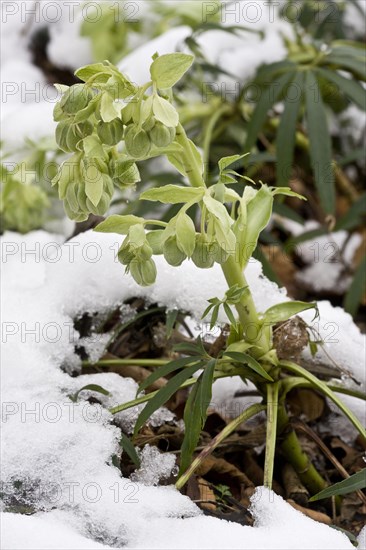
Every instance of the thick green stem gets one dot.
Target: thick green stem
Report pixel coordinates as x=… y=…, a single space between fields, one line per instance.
x=253 y=330
x=252 y=327
x=233 y=425
x=299 y=460
x=272 y=413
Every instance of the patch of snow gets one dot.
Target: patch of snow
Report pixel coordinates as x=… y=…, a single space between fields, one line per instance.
x=328 y=257
x=155 y=466
x=42 y=532
x=66 y=448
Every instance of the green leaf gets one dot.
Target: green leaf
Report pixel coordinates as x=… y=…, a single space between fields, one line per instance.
x=176 y=161
x=86 y=72
x=320 y=143
x=249 y=361
x=229 y=313
x=285 y=142
x=93 y=184
x=218 y=210
x=268 y=97
x=288 y=192
x=349 y=63
x=173 y=194
x=90 y=387
x=259 y=211
x=225 y=238
x=164 y=394
x=195 y=413
x=165 y=112
x=167 y=69
x=322 y=386
x=108 y=109
x=186 y=234
x=93 y=147
x=118 y=224
x=129 y=448
x=356 y=482
x=164 y=370
x=224 y=162
x=171 y=318
x=283 y=312
x=351 y=87
x=356 y=290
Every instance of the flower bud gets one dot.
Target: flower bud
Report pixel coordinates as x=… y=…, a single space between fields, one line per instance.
x=101 y=207
x=203 y=252
x=127 y=112
x=124 y=172
x=144 y=252
x=75 y=99
x=155 y=240
x=126 y=253
x=172 y=254
x=161 y=135
x=110 y=133
x=143 y=272
x=149 y=124
x=137 y=142
x=75 y=216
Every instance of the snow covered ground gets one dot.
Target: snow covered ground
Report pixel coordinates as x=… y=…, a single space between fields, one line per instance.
x=62 y=451
x=56 y=454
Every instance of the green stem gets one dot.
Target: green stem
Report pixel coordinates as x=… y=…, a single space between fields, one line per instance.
x=208 y=135
x=299 y=460
x=252 y=327
x=292 y=382
x=272 y=412
x=233 y=425
x=248 y=316
x=320 y=385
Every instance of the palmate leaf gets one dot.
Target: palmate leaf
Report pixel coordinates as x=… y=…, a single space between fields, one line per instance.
x=356 y=482
x=268 y=97
x=165 y=393
x=249 y=361
x=195 y=413
x=350 y=87
x=320 y=143
x=285 y=142
x=164 y=370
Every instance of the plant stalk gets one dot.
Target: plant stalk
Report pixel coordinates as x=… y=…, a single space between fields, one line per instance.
x=299 y=460
x=272 y=413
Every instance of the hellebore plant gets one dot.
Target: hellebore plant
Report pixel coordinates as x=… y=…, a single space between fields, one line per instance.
x=109 y=124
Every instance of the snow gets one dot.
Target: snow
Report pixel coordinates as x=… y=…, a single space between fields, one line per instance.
x=66 y=448
x=327 y=257
x=272 y=514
